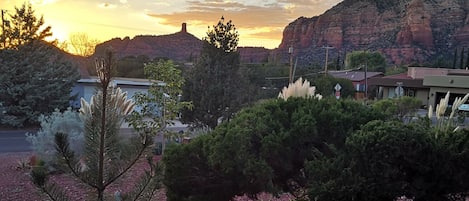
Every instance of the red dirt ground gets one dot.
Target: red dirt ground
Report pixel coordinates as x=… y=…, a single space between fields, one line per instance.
x=16 y=185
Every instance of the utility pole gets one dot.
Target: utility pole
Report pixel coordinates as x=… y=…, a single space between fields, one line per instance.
x=3 y=28
x=365 y=54
x=327 y=57
x=366 y=78
x=290 y=52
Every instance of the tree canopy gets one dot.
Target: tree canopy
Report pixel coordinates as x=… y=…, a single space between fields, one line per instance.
x=82 y=44
x=263 y=148
x=223 y=36
x=374 y=61
x=389 y=159
x=35 y=79
x=214 y=84
x=325 y=86
x=322 y=150
x=33 y=82
x=23 y=28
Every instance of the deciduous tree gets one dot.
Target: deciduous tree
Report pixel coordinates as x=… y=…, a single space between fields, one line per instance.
x=82 y=44
x=161 y=105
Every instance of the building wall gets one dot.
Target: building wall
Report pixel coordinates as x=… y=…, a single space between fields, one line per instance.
x=421 y=72
x=442 y=84
x=420 y=94
x=436 y=81
x=85 y=88
x=450 y=81
x=82 y=90
x=423 y=95
x=443 y=90
x=132 y=90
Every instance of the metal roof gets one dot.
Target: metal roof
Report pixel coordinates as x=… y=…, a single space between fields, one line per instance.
x=354 y=76
x=124 y=81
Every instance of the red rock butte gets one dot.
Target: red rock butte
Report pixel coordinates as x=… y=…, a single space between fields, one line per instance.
x=404 y=30
x=181 y=46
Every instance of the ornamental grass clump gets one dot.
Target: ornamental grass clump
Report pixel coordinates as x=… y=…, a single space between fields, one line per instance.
x=299 y=89
x=445 y=123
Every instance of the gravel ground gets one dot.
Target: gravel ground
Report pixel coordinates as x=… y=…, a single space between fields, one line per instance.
x=16 y=185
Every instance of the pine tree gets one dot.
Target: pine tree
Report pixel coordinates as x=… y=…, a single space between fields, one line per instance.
x=33 y=82
x=107 y=154
x=24 y=28
x=213 y=86
x=35 y=79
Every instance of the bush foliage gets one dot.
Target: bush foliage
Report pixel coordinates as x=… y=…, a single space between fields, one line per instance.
x=262 y=149
x=58 y=122
x=322 y=150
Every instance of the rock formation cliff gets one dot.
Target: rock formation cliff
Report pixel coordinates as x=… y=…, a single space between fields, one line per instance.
x=406 y=31
x=181 y=46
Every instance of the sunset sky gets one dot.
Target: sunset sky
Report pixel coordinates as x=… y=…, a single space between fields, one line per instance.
x=259 y=22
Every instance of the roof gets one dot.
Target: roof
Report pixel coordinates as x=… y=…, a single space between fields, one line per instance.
x=399 y=76
x=415 y=77
x=122 y=81
x=392 y=80
x=354 y=76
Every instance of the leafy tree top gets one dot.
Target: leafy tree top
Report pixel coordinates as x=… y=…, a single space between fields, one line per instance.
x=374 y=61
x=223 y=36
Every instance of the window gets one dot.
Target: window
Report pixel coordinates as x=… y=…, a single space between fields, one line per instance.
x=411 y=93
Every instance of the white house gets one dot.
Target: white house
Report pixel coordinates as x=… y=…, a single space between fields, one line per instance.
x=86 y=87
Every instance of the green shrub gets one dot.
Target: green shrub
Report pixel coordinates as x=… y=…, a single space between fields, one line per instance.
x=64 y=122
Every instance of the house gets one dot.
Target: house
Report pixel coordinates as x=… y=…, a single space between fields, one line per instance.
x=428 y=85
x=358 y=80
x=86 y=87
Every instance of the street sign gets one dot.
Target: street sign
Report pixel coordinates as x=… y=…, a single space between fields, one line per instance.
x=399 y=91
x=337 y=95
x=337 y=87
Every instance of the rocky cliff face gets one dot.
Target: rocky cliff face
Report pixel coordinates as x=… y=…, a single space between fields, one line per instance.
x=405 y=31
x=181 y=46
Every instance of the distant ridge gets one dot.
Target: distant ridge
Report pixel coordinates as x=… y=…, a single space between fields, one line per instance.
x=181 y=46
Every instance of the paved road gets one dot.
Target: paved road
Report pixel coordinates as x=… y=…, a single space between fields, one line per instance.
x=14 y=141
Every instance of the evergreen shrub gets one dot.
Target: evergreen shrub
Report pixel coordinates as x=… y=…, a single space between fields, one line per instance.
x=43 y=143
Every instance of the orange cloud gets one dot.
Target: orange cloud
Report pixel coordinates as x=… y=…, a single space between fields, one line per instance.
x=259 y=22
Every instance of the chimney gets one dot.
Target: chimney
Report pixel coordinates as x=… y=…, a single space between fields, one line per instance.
x=184 y=28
